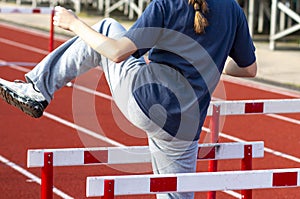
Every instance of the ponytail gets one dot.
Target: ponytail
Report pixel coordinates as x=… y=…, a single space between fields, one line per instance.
x=200 y=22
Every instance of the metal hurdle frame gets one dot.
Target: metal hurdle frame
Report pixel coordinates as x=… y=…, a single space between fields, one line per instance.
x=48 y=158
x=42 y=10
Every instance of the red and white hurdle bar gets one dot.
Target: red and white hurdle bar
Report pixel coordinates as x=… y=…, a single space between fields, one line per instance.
x=110 y=186
x=42 y=10
x=47 y=158
x=242 y=107
x=136 y=154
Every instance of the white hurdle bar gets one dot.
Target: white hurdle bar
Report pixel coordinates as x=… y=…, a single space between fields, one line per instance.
x=242 y=107
x=108 y=186
x=41 y=10
x=48 y=158
x=137 y=154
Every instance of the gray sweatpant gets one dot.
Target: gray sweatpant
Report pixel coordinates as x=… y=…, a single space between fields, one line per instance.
x=74 y=57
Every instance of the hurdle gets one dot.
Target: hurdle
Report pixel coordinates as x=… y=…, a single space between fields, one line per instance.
x=48 y=158
x=243 y=107
x=136 y=154
x=41 y=10
x=110 y=186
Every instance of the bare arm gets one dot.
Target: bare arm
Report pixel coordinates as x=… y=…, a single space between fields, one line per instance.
x=231 y=68
x=115 y=50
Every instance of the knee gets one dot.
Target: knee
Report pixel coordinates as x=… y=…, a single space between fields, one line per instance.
x=99 y=26
x=106 y=24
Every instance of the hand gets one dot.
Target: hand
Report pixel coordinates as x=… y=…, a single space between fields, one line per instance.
x=64 y=18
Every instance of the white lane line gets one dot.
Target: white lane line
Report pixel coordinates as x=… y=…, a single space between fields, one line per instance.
x=23 y=46
x=233 y=194
x=91 y=91
x=284 y=118
x=28 y=64
x=83 y=130
x=32 y=177
x=19 y=68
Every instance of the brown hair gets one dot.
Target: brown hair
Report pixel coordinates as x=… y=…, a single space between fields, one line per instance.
x=200 y=22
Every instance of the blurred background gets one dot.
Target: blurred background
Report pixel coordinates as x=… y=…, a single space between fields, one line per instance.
x=274 y=20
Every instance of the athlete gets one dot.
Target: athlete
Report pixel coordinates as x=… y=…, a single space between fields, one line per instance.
x=187 y=42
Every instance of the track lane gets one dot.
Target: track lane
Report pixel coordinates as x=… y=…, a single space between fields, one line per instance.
x=58 y=107
x=64 y=92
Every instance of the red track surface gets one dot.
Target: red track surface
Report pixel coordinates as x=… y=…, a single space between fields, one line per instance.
x=18 y=132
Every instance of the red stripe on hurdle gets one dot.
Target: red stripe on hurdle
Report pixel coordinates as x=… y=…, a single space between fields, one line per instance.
x=163 y=184
x=254 y=107
x=36 y=10
x=93 y=157
x=109 y=189
x=285 y=179
x=205 y=153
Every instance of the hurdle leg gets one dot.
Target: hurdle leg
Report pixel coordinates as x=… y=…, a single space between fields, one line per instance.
x=47 y=177
x=246 y=164
x=51 y=36
x=214 y=131
x=109 y=189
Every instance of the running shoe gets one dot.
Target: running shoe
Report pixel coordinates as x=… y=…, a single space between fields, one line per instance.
x=23 y=96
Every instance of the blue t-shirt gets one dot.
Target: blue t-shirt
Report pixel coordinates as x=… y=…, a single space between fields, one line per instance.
x=175 y=89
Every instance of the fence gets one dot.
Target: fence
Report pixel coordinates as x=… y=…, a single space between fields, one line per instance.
x=280 y=26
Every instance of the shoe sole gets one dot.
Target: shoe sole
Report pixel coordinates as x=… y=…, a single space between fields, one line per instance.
x=28 y=106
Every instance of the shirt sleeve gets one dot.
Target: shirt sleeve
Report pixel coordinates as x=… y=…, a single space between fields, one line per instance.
x=146 y=31
x=243 y=50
